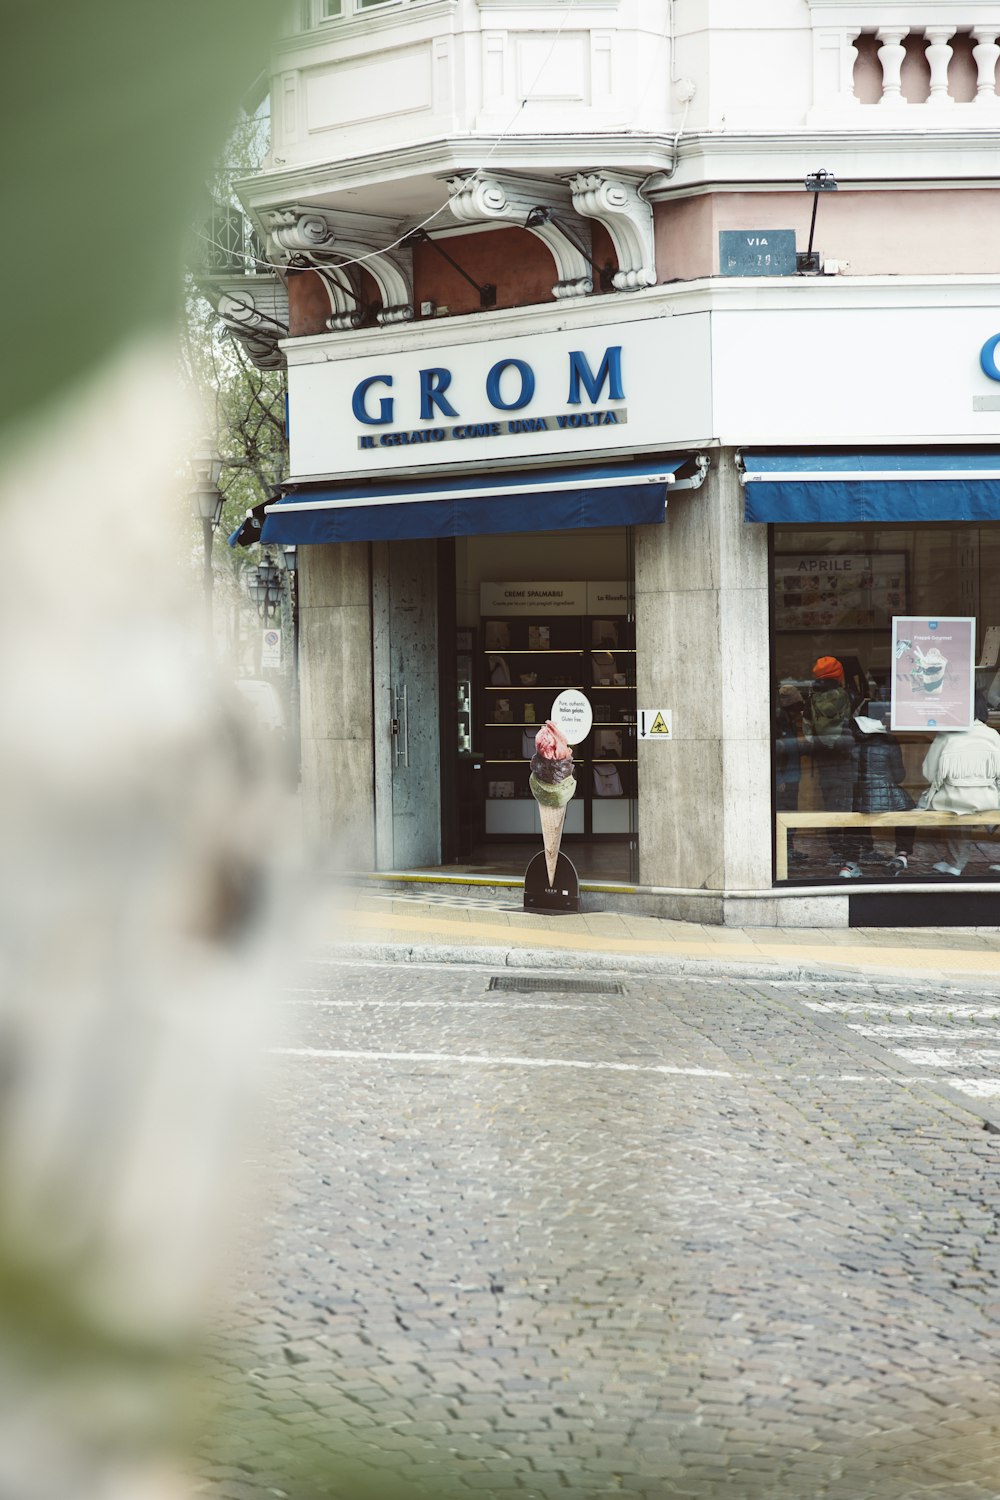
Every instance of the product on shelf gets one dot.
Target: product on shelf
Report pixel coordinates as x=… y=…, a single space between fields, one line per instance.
x=552 y=785
x=522 y=662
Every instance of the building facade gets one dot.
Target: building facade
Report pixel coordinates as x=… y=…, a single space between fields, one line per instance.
x=636 y=349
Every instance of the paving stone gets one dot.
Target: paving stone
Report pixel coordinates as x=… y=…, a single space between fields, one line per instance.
x=777 y=1281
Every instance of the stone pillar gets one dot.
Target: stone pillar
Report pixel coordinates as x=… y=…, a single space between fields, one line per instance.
x=986 y=53
x=701 y=591
x=335 y=652
x=939 y=55
x=892 y=55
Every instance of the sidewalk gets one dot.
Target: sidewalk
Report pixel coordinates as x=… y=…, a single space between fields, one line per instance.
x=431 y=927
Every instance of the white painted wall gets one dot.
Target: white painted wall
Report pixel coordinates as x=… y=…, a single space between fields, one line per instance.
x=833 y=360
x=405 y=72
x=409 y=72
x=849 y=374
x=750 y=62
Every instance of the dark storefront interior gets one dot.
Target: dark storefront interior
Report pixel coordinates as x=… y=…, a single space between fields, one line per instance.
x=529 y=616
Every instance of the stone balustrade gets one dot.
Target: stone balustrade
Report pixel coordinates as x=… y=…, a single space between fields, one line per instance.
x=883 y=74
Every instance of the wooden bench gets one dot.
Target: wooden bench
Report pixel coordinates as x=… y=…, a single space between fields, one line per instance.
x=915 y=819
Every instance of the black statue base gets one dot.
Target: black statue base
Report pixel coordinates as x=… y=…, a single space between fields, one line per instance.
x=564 y=893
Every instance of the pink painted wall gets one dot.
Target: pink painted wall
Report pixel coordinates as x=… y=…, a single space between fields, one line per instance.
x=684 y=239
x=926 y=232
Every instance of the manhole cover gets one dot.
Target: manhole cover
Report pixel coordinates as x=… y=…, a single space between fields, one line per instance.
x=558 y=986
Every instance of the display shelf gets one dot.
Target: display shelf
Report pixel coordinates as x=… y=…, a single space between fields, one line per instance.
x=520 y=816
x=584 y=647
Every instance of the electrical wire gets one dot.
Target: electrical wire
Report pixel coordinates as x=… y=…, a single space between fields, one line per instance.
x=359 y=260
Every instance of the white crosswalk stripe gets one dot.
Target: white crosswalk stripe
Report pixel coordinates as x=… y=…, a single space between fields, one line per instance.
x=874 y=1008
x=905 y=1029
x=949 y=1057
x=954 y=1033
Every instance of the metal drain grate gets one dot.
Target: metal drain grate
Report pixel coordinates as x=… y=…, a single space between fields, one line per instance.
x=557 y=986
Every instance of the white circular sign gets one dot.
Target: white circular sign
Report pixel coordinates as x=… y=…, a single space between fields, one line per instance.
x=572 y=715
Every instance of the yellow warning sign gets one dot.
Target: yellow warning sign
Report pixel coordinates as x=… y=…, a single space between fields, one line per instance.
x=655 y=724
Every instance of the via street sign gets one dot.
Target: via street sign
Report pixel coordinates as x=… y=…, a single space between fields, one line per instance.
x=757 y=252
x=655 y=724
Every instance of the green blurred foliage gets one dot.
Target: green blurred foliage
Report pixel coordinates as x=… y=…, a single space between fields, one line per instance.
x=247 y=404
x=244 y=406
x=112 y=114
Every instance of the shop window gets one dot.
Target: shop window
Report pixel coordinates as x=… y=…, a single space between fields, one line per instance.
x=849 y=693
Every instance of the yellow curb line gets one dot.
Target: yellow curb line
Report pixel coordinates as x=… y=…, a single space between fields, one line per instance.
x=866 y=957
x=491 y=882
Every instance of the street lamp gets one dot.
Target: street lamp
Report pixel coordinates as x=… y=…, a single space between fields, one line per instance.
x=206 y=503
x=264 y=588
x=290 y=561
x=807 y=261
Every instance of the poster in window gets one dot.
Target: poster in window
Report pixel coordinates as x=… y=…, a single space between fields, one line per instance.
x=838 y=590
x=933 y=672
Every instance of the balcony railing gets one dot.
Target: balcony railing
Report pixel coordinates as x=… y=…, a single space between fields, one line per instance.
x=883 y=74
x=230 y=244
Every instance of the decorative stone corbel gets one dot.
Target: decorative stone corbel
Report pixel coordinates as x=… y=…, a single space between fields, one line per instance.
x=322 y=240
x=255 y=311
x=545 y=211
x=392 y=273
x=613 y=200
x=296 y=235
x=346 y=310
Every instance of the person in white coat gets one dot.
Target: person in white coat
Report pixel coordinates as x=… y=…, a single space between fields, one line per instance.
x=963 y=771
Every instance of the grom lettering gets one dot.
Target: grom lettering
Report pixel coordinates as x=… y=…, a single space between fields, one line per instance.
x=509 y=386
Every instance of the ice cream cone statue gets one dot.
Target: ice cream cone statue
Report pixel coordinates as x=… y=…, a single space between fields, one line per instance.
x=552 y=785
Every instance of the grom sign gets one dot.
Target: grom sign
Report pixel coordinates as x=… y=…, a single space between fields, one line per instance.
x=399 y=401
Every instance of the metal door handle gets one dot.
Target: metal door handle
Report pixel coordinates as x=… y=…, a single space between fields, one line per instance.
x=400 y=727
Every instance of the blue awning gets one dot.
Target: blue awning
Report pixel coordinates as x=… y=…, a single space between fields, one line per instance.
x=557 y=499
x=833 y=488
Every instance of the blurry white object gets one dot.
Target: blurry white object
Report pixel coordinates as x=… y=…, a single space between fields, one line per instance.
x=135 y=917
x=264 y=701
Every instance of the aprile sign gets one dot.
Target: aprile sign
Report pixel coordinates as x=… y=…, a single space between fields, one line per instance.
x=360 y=408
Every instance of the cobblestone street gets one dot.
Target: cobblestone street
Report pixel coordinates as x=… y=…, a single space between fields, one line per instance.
x=634 y=1234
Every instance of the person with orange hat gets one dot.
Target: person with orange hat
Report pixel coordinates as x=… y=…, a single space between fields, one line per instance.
x=828 y=668
x=831 y=743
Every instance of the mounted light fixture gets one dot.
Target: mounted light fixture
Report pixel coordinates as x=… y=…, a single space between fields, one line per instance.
x=807 y=261
x=487 y=291
x=264 y=588
x=605 y=274
x=206 y=504
x=206 y=464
